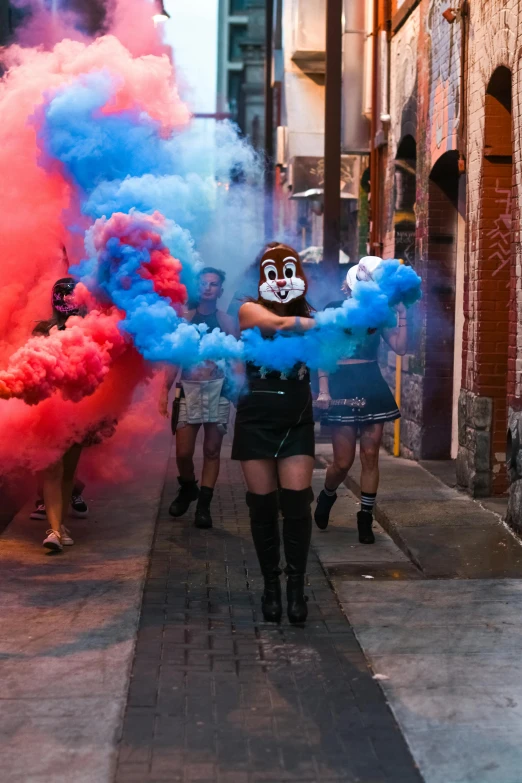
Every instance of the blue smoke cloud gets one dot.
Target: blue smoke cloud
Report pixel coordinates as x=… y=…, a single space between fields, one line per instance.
x=119 y=162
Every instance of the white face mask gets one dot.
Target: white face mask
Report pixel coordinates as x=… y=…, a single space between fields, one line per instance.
x=282 y=282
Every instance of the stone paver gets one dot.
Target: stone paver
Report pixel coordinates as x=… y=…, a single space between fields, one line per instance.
x=217 y=695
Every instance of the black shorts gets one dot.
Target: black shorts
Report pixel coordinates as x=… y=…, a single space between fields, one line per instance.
x=274 y=419
x=364 y=381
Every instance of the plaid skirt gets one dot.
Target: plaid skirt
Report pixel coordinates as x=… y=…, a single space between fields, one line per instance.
x=363 y=382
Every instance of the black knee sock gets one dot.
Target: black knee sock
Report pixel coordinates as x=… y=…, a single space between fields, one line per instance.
x=329 y=492
x=368 y=501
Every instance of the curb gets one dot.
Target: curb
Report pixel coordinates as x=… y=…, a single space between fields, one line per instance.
x=382 y=518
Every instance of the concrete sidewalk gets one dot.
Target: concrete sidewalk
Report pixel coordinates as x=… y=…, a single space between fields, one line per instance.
x=67 y=633
x=446 y=651
x=443 y=531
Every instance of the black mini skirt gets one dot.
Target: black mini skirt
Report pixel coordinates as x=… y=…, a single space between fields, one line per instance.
x=274 y=420
x=362 y=381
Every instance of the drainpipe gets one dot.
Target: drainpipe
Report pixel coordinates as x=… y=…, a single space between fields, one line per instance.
x=269 y=123
x=464 y=14
x=374 y=163
x=398 y=394
x=332 y=137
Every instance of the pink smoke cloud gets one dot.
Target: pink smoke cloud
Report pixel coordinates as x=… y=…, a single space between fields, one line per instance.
x=74 y=361
x=37 y=207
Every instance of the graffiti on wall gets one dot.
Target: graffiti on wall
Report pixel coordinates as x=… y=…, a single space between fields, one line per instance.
x=444 y=80
x=500 y=234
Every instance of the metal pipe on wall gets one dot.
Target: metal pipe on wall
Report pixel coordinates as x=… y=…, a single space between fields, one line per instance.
x=269 y=123
x=374 y=163
x=332 y=136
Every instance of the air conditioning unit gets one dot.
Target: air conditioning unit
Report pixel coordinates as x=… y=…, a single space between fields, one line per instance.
x=309 y=35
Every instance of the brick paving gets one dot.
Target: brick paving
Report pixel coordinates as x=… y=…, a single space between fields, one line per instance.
x=217 y=695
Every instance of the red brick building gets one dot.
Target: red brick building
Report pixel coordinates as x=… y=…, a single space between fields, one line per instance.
x=450 y=164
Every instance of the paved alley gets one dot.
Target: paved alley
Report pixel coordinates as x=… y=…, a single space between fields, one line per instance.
x=398 y=676
x=217 y=695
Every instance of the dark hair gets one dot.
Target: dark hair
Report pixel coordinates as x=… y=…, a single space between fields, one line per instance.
x=300 y=307
x=211 y=270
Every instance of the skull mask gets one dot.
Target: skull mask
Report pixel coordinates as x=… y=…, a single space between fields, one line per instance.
x=62 y=298
x=281 y=276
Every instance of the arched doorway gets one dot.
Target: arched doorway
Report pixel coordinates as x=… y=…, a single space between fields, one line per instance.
x=405 y=198
x=439 y=307
x=496 y=271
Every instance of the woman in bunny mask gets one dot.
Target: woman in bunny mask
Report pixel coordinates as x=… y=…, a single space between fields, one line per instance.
x=364 y=404
x=274 y=435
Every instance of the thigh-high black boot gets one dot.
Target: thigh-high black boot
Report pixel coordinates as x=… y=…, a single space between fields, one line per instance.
x=265 y=533
x=297 y=532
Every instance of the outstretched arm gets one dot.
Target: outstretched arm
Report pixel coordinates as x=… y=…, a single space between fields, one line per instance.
x=252 y=315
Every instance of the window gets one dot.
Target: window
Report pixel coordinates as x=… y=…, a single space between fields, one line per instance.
x=237 y=36
x=237 y=6
x=235 y=81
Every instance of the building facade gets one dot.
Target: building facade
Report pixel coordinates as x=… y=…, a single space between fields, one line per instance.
x=450 y=166
x=241 y=65
x=299 y=58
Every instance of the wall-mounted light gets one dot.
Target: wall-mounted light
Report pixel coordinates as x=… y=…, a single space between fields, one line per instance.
x=450 y=15
x=160 y=15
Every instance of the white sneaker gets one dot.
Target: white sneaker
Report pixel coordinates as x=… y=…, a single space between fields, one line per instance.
x=66 y=537
x=53 y=541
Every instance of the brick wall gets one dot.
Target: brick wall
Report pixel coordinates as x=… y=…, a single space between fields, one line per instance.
x=424 y=100
x=492 y=349
x=426 y=69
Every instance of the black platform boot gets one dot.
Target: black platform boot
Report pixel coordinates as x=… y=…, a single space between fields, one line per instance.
x=188 y=492
x=323 y=508
x=297 y=532
x=202 y=517
x=364 y=525
x=265 y=533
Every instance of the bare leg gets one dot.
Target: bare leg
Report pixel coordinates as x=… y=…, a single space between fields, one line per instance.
x=260 y=475
x=295 y=472
x=371 y=437
x=344 y=441
x=52 y=478
x=185 y=446
x=211 y=455
x=70 y=463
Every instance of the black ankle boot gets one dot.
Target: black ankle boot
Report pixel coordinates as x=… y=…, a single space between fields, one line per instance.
x=364 y=525
x=202 y=517
x=265 y=534
x=297 y=531
x=323 y=508
x=188 y=492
